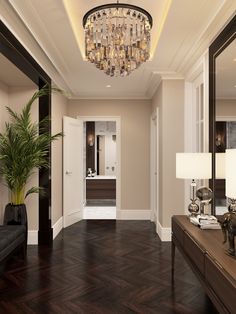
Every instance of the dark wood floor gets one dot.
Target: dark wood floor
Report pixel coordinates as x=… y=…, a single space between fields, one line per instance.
x=102 y=267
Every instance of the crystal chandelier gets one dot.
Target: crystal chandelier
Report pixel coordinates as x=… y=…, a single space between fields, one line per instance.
x=117 y=37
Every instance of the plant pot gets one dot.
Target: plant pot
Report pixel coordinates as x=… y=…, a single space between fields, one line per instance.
x=16 y=215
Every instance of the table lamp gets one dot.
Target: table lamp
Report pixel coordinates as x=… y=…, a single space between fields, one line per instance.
x=230 y=177
x=193 y=166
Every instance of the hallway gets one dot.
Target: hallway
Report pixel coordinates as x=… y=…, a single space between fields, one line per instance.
x=102 y=267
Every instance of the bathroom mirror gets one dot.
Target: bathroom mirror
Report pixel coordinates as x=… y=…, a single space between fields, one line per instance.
x=222 y=108
x=101 y=148
x=105 y=148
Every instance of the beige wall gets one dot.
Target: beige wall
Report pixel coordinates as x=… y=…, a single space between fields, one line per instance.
x=135 y=144
x=169 y=98
x=226 y=108
x=59 y=109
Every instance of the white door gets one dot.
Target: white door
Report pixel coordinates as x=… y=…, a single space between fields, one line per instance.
x=72 y=171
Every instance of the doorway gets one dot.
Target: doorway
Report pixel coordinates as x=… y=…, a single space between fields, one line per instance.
x=101 y=167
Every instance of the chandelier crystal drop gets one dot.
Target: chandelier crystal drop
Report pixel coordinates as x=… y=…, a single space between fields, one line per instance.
x=117 y=37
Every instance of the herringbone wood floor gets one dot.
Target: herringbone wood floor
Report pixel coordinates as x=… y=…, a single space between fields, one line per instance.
x=102 y=267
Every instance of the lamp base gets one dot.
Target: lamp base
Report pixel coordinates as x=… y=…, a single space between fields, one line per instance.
x=232 y=205
x=193 y=208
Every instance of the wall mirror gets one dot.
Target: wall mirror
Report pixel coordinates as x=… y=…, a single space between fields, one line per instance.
x=222 y=108
x=18 y=65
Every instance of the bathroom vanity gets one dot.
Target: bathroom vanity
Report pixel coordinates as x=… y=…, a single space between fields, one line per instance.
x=101 y=187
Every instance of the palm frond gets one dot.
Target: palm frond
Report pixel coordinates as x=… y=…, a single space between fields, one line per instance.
x=35 y=189
x=24 y=146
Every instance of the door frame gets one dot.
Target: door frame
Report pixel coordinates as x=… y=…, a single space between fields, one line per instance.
x=116 y=119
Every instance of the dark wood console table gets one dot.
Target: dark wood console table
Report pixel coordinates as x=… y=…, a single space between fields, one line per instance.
x=205 y=253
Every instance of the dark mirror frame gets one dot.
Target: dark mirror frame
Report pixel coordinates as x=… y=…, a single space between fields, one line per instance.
x=220 y=43
x=13 y=50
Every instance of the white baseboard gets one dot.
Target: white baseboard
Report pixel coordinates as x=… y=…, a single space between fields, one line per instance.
x=57 y=227
x=71 y=219
x=133 y=214
x=105 y=212
x=33 y=234
x=32 y=237
x=164 y=233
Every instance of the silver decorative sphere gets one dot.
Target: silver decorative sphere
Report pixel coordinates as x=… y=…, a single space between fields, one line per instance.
x=193 y=208
x=204 y=194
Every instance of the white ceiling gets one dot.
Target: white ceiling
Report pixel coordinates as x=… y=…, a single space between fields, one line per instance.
x=180 y=34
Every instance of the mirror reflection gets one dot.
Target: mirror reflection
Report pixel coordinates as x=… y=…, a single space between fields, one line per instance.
x=105 y=147
x=15 y=90
x=225 y=136
x=101 y=163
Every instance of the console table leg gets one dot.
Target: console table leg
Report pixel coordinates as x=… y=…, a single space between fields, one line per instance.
x=172 y=261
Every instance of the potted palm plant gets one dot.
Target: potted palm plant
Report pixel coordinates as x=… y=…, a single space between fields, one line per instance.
x=24 y=147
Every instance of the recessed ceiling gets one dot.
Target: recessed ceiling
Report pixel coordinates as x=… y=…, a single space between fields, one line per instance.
x=177 y=32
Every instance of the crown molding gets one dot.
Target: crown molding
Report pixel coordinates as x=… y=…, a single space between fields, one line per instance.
x=171 y=76
x=221 y=18
x=153 y=83
x=94 y=97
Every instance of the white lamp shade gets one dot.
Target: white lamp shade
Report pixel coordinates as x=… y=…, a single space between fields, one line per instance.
x=193 y=165
x=230 y=173
x=220 y=165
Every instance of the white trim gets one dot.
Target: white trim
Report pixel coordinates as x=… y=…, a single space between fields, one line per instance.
x=171 y=76
x=133 y=214
x=106 y=212
x=57 y=227
x=32 y=237
x=164 y=233
x=71 y=219
x=97 y=97
x=153 y=84
x=116 y=119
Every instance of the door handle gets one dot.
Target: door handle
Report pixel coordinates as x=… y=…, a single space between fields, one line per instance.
x=68 y=173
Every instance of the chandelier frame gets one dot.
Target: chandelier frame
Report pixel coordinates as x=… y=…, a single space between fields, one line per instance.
x=117 y=6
